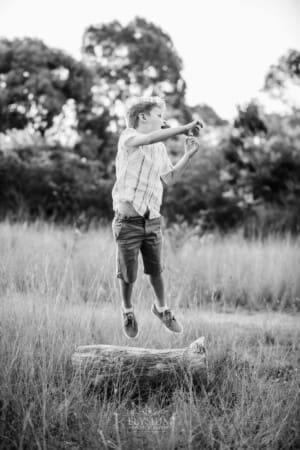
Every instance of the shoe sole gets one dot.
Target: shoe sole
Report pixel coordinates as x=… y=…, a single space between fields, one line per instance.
x=126 y=335
x=131 y=337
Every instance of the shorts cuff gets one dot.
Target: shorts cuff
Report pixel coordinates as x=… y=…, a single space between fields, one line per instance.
x=153 y=273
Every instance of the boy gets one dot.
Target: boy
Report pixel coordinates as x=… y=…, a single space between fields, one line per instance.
x=142 y=165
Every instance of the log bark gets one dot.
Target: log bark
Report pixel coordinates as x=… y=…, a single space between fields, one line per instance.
x=142 y=368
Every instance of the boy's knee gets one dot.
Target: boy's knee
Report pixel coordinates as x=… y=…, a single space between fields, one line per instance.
x=156 y=276
x=128 y=279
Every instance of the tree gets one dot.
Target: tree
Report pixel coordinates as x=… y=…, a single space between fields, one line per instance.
x=288 y=66
x=53 y=183
x=208 y=114
x=262 y=170
x=135 y=60
x=36 y=82
x=249 y=121
x=283 y=79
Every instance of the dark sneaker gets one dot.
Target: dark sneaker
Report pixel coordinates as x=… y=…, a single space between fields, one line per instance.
x=130 y=325
x=168 y=319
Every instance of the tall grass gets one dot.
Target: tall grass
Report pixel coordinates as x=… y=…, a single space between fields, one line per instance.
x=252 y=400
x=58 y=290
x=225 y=272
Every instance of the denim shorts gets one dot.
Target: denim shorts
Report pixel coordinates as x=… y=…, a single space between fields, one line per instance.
x=133 y=235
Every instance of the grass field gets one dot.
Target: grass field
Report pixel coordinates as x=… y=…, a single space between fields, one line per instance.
x=58 y=290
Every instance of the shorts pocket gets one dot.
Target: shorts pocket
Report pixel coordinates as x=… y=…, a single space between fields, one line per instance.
x=117 y=226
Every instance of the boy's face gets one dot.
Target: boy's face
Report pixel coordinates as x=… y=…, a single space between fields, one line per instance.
x=155 y=119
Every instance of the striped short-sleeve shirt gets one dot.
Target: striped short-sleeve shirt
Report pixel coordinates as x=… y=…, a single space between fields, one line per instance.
x=138 y=174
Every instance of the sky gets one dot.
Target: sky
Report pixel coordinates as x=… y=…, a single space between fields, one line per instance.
x=226 y=46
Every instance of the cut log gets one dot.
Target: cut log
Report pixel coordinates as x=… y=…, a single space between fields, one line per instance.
x=142 y=369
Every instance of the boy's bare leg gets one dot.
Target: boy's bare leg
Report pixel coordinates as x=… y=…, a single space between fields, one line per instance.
x=158 y=286
x=126 y=292
x=130 y=325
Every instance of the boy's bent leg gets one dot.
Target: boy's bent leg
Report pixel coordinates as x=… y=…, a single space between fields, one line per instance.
x=127 y=260
x=128 y=240
x=157 y=283
x=128 y=236
x=151 y=249
x=126 y=293
x=130 y=325
x=151 y=252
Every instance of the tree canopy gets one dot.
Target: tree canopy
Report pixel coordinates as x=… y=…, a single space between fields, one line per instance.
x=246 y=171
x=133 y=60
x=288 y=66
x=35 y=83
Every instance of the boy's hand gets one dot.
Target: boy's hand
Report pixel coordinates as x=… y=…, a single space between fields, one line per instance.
x=191 y=146
x=193 y=128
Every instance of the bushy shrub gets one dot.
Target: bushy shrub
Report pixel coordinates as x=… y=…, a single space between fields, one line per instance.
x=53 y=183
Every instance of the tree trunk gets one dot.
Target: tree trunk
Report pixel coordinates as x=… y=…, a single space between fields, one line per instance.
x=141 y=370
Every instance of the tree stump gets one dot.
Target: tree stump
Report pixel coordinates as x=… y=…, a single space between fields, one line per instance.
x=140 y=371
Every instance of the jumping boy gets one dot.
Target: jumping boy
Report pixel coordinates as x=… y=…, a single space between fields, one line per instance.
x=142 y=166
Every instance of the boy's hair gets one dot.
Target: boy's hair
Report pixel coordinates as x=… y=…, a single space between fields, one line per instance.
x=142 y=105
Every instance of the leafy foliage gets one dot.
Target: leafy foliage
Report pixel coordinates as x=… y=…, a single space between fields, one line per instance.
x=134 y=60
x=288 y=67
x=35 y=83
x=247 y=173
x=53 y=183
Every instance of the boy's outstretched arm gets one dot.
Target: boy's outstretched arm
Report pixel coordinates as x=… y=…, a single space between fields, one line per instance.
x=162 y=135
x=191 y=147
